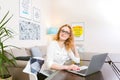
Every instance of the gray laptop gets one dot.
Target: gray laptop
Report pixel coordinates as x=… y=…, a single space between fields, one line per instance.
x=95 y=65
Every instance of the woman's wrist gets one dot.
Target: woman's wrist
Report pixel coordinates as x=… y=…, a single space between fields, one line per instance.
x=65 y=67
x=71 y=67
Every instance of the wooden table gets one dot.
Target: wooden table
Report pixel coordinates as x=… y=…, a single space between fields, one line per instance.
x=106 y=73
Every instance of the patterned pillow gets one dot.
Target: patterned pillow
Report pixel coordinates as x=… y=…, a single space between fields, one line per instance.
x=35 y=65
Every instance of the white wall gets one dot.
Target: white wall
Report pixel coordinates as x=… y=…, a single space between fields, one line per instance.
x=101 y=19
x=13 y=7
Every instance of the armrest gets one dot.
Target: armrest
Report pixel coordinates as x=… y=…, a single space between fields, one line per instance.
x=21 y=63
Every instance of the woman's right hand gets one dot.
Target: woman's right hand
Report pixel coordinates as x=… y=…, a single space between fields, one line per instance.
x=73 y=67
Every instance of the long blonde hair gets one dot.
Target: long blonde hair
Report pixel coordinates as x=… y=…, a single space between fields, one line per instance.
x=69 y=43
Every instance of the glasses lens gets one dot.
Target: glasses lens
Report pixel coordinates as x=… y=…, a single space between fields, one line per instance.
x=66 y=32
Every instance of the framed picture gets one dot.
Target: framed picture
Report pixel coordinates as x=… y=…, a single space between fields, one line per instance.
x=52 y=30
x=78 y=30
x=36 y=14
x=25 y=8
x=29 y=30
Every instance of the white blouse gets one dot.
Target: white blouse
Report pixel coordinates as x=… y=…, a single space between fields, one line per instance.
x=56 y=55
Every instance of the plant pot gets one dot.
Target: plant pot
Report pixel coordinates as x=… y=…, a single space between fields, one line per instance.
x=10 y=78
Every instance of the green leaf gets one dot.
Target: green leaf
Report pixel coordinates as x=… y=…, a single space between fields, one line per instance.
x=4 y=17
x=2 y=24
x=5 y=34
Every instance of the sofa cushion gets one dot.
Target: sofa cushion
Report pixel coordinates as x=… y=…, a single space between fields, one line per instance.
x=21 y=64
x=19 y=52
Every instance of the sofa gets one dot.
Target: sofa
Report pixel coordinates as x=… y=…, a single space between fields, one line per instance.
x=22 y=56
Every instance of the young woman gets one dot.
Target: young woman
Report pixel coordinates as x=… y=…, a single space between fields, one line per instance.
x=60 y=50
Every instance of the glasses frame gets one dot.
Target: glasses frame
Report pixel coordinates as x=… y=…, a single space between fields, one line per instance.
x=66 y=32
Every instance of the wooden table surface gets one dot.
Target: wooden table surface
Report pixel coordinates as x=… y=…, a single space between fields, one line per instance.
x=106 y=73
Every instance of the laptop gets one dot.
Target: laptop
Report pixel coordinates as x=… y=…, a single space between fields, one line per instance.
x=95 y=65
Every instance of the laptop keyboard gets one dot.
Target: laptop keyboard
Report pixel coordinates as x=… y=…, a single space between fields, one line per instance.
x=82 y=71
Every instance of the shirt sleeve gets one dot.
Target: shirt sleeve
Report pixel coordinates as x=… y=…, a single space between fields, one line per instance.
x=50 y=55
x=72 y=56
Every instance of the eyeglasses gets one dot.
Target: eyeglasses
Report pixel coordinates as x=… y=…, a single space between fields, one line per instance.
x=66 y=32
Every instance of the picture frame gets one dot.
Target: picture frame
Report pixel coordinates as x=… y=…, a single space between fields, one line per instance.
x=78 y=29
x=36 y=14
x=29 y=30
x=25 y=9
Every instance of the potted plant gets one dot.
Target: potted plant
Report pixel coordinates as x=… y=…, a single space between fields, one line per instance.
x=5 y=61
